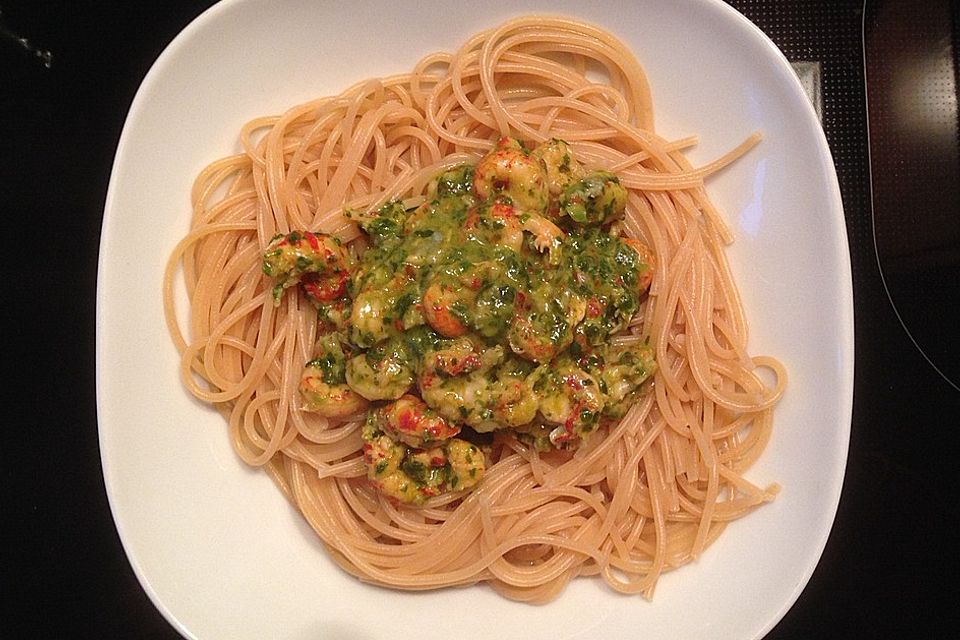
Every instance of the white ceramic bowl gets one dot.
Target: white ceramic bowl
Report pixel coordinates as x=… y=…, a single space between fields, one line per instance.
x=216 y=546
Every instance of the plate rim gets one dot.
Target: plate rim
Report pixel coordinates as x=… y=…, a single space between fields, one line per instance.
x=845 y=332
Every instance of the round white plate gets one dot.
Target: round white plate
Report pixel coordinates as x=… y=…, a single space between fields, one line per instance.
x=214 y=543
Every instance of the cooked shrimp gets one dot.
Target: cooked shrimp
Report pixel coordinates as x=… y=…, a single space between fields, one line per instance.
x=625 y=370
x=547 y=236
x=327 y=287
x=648 y=259
x=413 y=475
x=323 y=384
x=510 y=170
x=561 y=168
x=498 y=222
x=333 y=316
x=288 y=258
x=383 y=456
x=544 y=322
x=385 y=222
x=513 y=401
x=571 y=398
x=410 y=420
x=505 y=225
x=382 y=373
x=536 y=434
x=453 y=382
x=445 y=310
x=597 y=198
x=336 y=401
x=367 y=318
x=467 y=464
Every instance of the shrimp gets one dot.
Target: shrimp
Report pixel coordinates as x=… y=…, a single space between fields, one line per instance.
x=333 y=316
x=385 y=306
x=413 y=475
x=384 y=456
x=410 y=420
x=465 y=382
x=382 y=373
x=544 y=321
x=504 y=225
x=570 y=398
x=326 y=288
x=445 y=310
x=536 y=434
x=473 y=297
x=509 y=170
x=454 y=383
x=497 y=223
x=323 y=384
x=547 y=236
x=561 y=168
x=597 y=198
x=648 y=260
x=467 y=464
x=625 y=370
x=367 y=318
x=290 y=258
x=513 y=401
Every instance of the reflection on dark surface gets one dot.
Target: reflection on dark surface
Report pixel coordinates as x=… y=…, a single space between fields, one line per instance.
x=10 y=38
x=911 y=70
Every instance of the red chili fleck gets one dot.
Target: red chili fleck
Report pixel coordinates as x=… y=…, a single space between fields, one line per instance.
x=594 y=308
x=312 y=239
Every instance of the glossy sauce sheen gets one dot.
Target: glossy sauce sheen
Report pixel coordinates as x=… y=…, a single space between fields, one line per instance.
x=488 y=307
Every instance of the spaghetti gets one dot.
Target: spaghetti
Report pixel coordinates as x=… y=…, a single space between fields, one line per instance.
x=645 y=494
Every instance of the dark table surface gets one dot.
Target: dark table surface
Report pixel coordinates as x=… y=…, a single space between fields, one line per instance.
x=888 y=566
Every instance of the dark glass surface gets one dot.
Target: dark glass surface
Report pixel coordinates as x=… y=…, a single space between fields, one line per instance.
x=887 y=568
x=911 y=70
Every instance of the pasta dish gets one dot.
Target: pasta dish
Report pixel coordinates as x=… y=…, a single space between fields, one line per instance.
x=477 y=323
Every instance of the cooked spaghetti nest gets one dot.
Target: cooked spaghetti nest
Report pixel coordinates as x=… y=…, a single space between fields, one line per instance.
x=645 y=493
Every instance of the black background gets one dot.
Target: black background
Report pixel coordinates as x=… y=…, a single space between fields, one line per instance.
x=888 y=568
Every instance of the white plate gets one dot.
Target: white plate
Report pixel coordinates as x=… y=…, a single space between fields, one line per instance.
x=216 y=546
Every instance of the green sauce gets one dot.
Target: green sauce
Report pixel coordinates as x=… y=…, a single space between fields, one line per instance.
x=498 y=311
